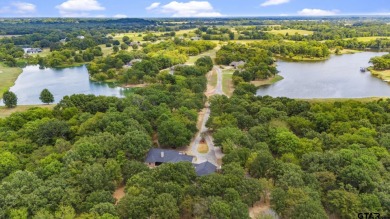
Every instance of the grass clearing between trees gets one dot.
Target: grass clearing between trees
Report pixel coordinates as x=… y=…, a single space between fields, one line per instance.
x=8 y=76
x=268 y=81
x=5 y=112
x=384 y=75
x=292 y=32
x=367 y=39
x=227 y=82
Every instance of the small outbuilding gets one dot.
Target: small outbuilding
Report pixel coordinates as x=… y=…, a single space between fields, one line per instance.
x=237 y=64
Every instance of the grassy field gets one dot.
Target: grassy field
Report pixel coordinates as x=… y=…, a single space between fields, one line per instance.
x=345 y=51
x=8 y=77
x=212 y=53
x=4 y=112
x=268 y=81
x=302 y=58
x=227 y=82
x=8 y=36
x=292 y=32
x=213 y=78
x=383 y=75
x=367 y=39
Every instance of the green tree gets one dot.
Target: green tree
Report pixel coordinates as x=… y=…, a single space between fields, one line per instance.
x=165 y=207
x=173 y=133
x=10 y=99
x=46 y=96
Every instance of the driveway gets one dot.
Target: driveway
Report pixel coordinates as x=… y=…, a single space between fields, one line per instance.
x=214 y=154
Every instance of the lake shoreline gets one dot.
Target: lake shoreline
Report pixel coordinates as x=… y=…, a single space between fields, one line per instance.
x=8 y=76
x=268 y=81
x=384 y=75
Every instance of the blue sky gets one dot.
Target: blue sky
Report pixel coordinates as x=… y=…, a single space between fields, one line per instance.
x=183 y=8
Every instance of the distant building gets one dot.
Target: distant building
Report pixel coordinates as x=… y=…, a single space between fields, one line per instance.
x=32 y=50
x=157 y=156
x=63 y=40
x=135 y=43
x=132 y=62
x=196 y=38
x=237 y=64
x=81 y=37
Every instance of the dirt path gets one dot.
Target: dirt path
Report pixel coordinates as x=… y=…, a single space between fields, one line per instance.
x=119 y=193
x=262 y=207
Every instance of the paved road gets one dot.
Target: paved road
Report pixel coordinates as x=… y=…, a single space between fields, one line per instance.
x=214 y=153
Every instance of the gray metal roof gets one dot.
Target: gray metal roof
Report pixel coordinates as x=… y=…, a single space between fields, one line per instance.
x=205 y=168
x=166 y=156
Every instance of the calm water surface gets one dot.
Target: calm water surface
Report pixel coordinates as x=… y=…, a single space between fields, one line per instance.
x=338 y=77
x=60 y=82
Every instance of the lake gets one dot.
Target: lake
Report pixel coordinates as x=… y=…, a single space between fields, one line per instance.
x=60 y=82
x=338 y=77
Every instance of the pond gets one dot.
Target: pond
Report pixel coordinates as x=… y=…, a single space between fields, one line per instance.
x=338 y=77
x=60 y=82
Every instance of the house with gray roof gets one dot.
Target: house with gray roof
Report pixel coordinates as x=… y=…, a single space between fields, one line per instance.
x=205 y=168
x=157 y=156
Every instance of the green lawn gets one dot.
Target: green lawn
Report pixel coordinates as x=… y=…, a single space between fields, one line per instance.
x=4 y=112
x=213 y=78
x=292 y=32
x=302 y=58
x=227 y=82
x=367 y=39
x=383 y=75
x=8 y=36
x=8 y=77
x=212 y=53
x=268 y=81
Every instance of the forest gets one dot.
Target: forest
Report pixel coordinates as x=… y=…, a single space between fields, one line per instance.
x=320 y=157
x=68 y=161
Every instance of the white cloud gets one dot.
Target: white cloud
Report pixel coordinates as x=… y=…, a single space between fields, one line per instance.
x=316 y=12
x=186 y=9
x=274 y=2
x=153 y=6
x=79 y=8
x=20 y=8
x=120 y=16
x=24 y=7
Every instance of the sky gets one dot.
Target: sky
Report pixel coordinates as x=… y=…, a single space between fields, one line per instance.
x=184 y=8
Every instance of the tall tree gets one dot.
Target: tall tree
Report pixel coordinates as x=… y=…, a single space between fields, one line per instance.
x=10 y=99
x=46 y=96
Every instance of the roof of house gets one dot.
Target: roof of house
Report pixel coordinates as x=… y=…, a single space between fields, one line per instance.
x=32 y=50
x=237 y=63
x=204 y=168
x=166 y=156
